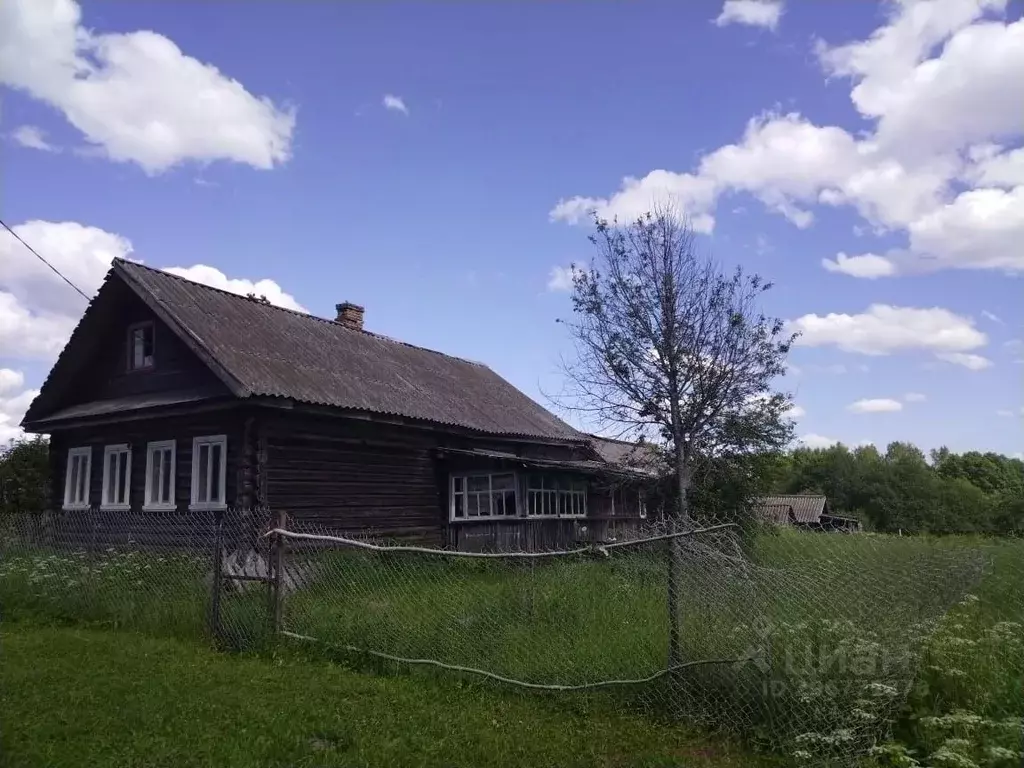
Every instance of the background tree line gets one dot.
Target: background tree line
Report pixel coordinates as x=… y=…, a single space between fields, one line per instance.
x=901 y=489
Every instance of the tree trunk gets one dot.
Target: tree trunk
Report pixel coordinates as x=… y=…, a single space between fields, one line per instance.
x=677 y=522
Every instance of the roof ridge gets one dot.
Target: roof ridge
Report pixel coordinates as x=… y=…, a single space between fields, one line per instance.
x=121 y=262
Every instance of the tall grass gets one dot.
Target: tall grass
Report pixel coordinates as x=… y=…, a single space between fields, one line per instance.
x=906 y=649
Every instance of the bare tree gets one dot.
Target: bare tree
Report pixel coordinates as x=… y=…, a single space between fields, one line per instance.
x=672 y=349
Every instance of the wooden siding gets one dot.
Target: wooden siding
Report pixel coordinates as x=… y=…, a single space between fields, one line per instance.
x=107 y=377
x=137 y=434
x=353 y=476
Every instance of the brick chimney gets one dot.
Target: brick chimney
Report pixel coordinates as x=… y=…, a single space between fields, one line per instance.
x=350 y=315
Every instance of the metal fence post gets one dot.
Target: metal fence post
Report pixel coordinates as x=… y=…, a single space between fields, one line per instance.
x=277 y=573
x=674 y=574
x=218 y=575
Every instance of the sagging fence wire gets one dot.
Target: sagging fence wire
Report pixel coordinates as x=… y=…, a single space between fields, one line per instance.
x=799 y=642
x=601 y=548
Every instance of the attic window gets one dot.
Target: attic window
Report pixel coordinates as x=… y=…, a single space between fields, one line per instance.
x=140 y=347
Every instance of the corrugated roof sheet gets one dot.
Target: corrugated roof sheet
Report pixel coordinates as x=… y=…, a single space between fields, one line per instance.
x=807 y=508
x=636 y=456
x=271 y=351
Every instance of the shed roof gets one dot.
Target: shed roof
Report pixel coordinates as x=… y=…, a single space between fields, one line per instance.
x=260 y=349
x=806 y=507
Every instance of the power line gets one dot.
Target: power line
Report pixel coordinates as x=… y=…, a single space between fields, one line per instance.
x=36 y=254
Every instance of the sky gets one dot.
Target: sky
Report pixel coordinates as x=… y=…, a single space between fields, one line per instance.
x=439 y=164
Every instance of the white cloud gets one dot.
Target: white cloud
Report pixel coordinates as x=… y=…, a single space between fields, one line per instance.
x=12 y=408
x=915 y=397
x=972 y=362
x=10 y=380
x=82 y=253
x=939 y=83
x=979 y=229
x=866 y=265
x=136 y=96
x=561 y=278
x=38 y=311
x=691 y=195
x=875 y=405
x=31 y=334
x=395 y=103
x=969 y=92
x=991 y=316
x=796 y=412
x=813 y=440
x=754 y=13
x=993 y=168
x=884 y=329
x=33 y=138
x=213 y=277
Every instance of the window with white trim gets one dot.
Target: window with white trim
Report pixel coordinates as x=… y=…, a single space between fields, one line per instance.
x=555 y=496
x=643 y=508
x=482 y=496
x=160 y=458
x=117 y=476
x=76 y=478
x=209 y=472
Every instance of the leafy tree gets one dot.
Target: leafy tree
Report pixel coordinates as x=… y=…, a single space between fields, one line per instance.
x=24 y=476
x=670 y=348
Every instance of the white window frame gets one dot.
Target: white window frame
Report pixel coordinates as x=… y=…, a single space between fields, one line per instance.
x=149 y=505
x=69 y=494
x=577 y=497
x=465 y=477
x=643 y=507
x=112 y=453
x=210 y=440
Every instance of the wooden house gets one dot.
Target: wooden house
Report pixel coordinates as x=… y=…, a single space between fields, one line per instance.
x=171 y=396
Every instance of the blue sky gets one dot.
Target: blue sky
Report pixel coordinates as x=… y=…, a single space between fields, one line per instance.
x=435 y=163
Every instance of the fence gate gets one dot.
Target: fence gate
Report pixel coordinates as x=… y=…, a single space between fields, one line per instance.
x=246 y=589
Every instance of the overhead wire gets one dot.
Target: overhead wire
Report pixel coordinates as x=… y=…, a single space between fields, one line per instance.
x=35 y=253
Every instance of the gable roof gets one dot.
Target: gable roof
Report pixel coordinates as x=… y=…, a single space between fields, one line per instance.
x=259 y=349
x=805 y=507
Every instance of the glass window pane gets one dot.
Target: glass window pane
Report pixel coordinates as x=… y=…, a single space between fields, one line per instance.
x=83 y=478
x=478 y=483
x=126 y=481
x=165 y=470
x=460 y=505
x=503 y=482
x=457 y=484
x=216 y=451
x=72 y=478
x=472 y=504
x=111 y=479
x=498 y=504
x=204 y=472
x=510 y=503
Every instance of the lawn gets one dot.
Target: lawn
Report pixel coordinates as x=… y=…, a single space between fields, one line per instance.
x=80 y=697
x=854 y=637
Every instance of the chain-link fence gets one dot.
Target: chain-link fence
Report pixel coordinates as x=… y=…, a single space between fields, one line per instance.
x=823 y=648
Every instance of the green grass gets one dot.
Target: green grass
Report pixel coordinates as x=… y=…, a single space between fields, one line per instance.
x=845 y=624
x=79 y=697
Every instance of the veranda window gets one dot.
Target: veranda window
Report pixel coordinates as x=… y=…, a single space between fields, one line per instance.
x=481 y=496
x=556 y=496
